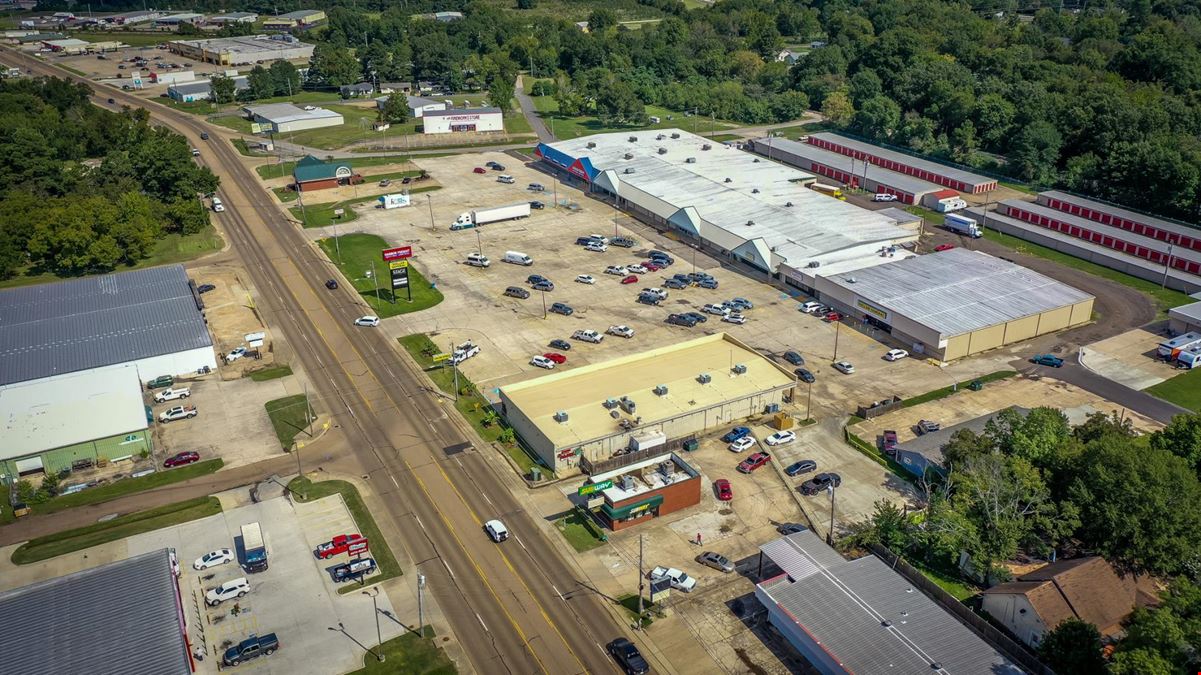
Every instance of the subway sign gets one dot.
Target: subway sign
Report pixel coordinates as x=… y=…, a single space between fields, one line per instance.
x=594 y=487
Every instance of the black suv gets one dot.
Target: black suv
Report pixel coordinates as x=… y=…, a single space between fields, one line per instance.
x=517 y=292
x=681 y=320
x=251 y=648
x=562 y=308
x=696 y=316
x=331 y=284
x=535 y=278
x=561 y=345
x=628 y=657
x=820 y=482
x=794 y=358
x=805 y=375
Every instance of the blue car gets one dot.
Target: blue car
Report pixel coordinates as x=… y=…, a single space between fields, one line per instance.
x=803 y=466
x=735 y=434
x=1048 y=360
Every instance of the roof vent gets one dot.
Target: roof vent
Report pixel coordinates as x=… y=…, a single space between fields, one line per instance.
x=788 y=204
x=739 y=369
x=628 y=155
x=629 y=169
x=675 y=135
x=660 y=137
x=851 y=280
x=633 y=139
x=610 y=403
x=591 y=144
x=729 y=180
x=690 y=160
x=814 y=263
x=704 y=378
x=754 y=191
x=627 y=404
x=750 y=223
x=561 y=416
x=661 y=390
x=614 y=414
x=706 y=147
x=756 y=161
x=886 y=623
x=662 y=151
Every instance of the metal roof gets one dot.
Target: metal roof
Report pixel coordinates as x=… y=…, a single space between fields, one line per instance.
x=281 y=113
x=310 y=168
x=123 y=617
x=1107 y=230
x=958 y=291
x=843 y=605
x=781 y=148
x=300 y=14
x=67 y=326
x=902 y=158
x=1159 y=223
x=902 y=216
x=1190 y=312
x=461 y=111
x=206 y=86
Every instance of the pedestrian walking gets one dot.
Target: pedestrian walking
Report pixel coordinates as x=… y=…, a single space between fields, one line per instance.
x=698 y=538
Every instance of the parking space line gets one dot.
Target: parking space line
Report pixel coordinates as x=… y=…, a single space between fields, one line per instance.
x=481 y=620
x=447 y=566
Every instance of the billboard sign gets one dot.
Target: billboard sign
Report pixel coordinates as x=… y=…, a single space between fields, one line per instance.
x=357 y=548
x=595 y=487
x=398 y=264
x=400 y=277
x=397 y=253
x=395 y=201
x=257 y=127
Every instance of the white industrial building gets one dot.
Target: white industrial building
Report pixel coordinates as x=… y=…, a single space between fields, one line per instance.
x=201 y=90
x=234 y=17
x=151 y=318
x=243 y=51
x=463 y=119
x=418 y=105
x=285 y=117
x=741 y=206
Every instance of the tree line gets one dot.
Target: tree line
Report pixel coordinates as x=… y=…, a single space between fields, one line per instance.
x=88 y=190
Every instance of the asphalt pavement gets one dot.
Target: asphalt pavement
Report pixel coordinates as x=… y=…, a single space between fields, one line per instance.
x=1074 y=373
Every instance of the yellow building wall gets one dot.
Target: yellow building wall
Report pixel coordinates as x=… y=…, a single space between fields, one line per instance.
x=1021 y=329
x=986 y=338
x=1082 y=312
x=956 y=347
x=1054 y=320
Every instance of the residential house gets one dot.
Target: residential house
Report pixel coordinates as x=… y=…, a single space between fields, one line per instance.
x=357 y=90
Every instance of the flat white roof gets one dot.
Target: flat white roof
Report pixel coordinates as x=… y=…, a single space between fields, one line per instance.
x=248 y=44
x=280 y=113
x=69 y=42
x=69 y=409
x=731 y=197
x=958 y=291
x=905 y=159
x=782 y=147
x=1190 y=312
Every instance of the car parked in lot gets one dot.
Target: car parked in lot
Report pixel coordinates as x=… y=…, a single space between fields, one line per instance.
x=234 y=588
x=479 y=169
x=724 y=492
x=831 y=317
x=205 y=288
x=889 y=442
x=338 y=545
x=179 y=412
x=543 y=286
x=1047 y=360
x=710 y=284
x=735 y=434
x=621 y=331
x=517 y=292
x=649 y=298
x=697 y=317
x=630 y=280
x=561 y=308
x=369 y=321
x=794 y=358
x=624 y=242
x=883 y=197
x=628 y=657
x=734 y=318
x=637 y=269
x=616 y=270
x=675 y=284
x=251 y=648
x=181 y=459
x=803 y=466
x=679 y=580
x=542 y=362
x=680 y=319
x=650 y=266
x=810 y=307
x=780 y=438
x=743 y=443
x=354 y=569
x=160 y=381
x=560 y=344
x=537 y=205
x=595 y=247
x=558 y=358
x=172 y=393
x=805 y=376
x=214 y=558
x=753 y=462
x=715 y=309
x=506 y=179
x=790 y=528
x=587 y=336
x=716 y=561
x=585 y=279
x=235 y=354
x=844 y=367
x=895 y=354
x=927 y=427
x=820 y=482
x=535 y=278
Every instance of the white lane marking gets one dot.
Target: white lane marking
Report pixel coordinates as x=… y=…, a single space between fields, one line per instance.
x=488 y=500
x=522 y=545
x=448 y=569
x=557 y=592
x=419 y=523
x=481 y=620
x=394 y=481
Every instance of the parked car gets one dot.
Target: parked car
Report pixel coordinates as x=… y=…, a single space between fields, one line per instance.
x=537 y=205
x=679 y=580
x=832 y=317
x=385 y=182
x=535 y=187
x=803 y=466
x=624 y=242
x=494 y=165
x=181 y=459
x=716 y=560
x=496 y=530
x=844 y=367
x=734 y=318
x=790 y=528
x=744 y=443
x=810 y=307
x=506 y=179
x=479 y=169
x=583 y=241
x=895 y=355
x=754 y=462
x=234 y=588
x=780 y=438
x=630 y=280
x=890 y=442
x=585 y=279
x=160 y=381
x=656 y=291
x=650 y=266
x=517 y=292
x=1048 y=360
x=179 y=412
x=637 y=269
x=742 y=303
x=587 y=336
x=558 y=358
x=560 y=344
x=251 y=648
x=735 y=434
x=172 y=393
x=354 y=569
x=805 y=376
x=794 y=358
x=543 y=286
x=535 y=278
x=724 y=492
x=331 y=284
x=675 y=284
x=715 y=309
x=628 y=657
x=214 y=558
x=681 y=320
x=927 y=427
x=697 y=317
x=369 y=321
x=943 y=247
x=235 y=354
x=561 y=308
x=542 y=362
x=338 y=545
x=710 y=284
x=595 y=247
x=649 y=298
x=884 y=197
x=621 y=331
x=820 y=482
x=616 y=270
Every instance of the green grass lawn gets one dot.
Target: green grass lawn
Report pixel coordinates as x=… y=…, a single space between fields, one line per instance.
x=630 y=603
x=1183 y=390
x=288 y=417
x=1020 y=187
x=358 y=252
x=410 y=654
x=285 y=195
x=960 y=589
x=356 y=127
x=1163 y=298
x=270 y=373
x=577 y=532
x=794 y=133
x=306 y=491
x=238 y=124
x=962 y=386
x=931 y=217
x=6 y=507
x=69 y=541
x=322 y=215
x=169 y=249
x=129 y=486
x=574 y=127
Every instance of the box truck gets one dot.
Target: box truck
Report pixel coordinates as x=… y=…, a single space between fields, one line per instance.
x=480 y=217
x=962 y=225
x=253 y=548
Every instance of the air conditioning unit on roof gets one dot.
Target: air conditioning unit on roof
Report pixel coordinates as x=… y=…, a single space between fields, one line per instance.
x=706 y=147
x=704 y=378
x=739 y=369
x=662 y=151
x=592 y=144
x=690 y=160
x=561 y=416
x=633 y=139
x=675 y=135
x=661 y=390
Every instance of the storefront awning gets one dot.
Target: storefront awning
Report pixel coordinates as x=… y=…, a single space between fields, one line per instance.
x=625 y=511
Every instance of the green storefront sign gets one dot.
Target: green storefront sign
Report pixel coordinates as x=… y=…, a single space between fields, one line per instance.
x=595 y=487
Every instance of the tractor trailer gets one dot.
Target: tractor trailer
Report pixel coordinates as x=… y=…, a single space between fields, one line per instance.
x=496 y=214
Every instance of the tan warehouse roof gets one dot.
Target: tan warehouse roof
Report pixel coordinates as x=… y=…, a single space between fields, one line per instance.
x=580 y=392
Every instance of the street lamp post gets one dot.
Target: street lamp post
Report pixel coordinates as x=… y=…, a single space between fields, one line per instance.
x=379 y=640
x=837 y=332
x=479 y=246
x=809 y=402
x=544 y=304
x=1167 y=266
x=420 y=606
x=830 y=533
x=431 y=205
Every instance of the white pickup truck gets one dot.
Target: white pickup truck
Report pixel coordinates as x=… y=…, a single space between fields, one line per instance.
x=679 y=580
x=588 y=336
x=621 y=331
x=172 y=394
x=179 y=412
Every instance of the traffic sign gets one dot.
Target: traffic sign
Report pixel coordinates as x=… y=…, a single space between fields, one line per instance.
x=439 y=358
x=397 y=253
x=398 y=264
x=595 y=487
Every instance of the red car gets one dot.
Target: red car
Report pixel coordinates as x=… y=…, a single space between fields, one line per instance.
x=556 y=357
x=890 y=442
x=724 y=492
x=630 y=280
x=651 y=266
x=833 y=316
x=944 y=247
x=181 y=459
x=754 y=462
x=338 y=544
x=479 y=169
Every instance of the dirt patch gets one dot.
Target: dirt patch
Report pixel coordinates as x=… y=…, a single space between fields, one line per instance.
x=231 y=314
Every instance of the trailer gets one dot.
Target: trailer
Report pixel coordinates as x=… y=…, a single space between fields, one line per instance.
x=254 y=548
x=1169 y=350
x=962 y=225
x=496 y=214
x=831 y=190
x=1189 y=358
x=394 y=201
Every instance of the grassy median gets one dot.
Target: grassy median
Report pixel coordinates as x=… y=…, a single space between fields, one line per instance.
x=411 y=655
x=128 y=486
x=355 y=254
x=289 y=417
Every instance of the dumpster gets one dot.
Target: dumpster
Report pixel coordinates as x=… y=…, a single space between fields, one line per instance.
x=691 y=444
x=535 y=473
x=976 y=385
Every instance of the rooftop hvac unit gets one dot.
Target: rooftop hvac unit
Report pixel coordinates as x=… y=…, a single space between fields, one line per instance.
x=749 y=223
x=665 y=468
x=814 y=263
x=756 y=161
x=704 y=378
x=754 y=191
x=627 y=404
x=788 y=204
x=675 y=135
x=610 y=403
x=627 y=482
x=706 y=147
x=628 y=155
x=851 y=280
x=661 y=390
x=629 y=169
x=729 y=180
x=690 y=160
x=660 y=137
x=561 y=416
x=591 y=144
x=662 y=151
x=633 y=139
x=739 y=369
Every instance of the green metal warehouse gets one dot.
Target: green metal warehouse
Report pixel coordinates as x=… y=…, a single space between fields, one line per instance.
x=49 y=424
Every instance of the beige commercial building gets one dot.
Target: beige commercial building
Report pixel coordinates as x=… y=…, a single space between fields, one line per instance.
x=642 y=402
x=954 y=303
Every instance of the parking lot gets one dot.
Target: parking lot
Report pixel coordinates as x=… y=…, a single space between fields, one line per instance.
x=510 y=331
x=110 y=68
x=1131 y=358
x=295 y=598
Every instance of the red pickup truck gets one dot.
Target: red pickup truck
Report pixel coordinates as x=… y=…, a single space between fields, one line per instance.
x=338 y=545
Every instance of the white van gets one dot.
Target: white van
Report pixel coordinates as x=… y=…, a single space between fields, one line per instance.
x=518 y=258
x=505 y=179
x=478 y=260
x=217 y=205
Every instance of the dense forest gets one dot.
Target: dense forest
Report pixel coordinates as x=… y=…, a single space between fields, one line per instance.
x=88 y=190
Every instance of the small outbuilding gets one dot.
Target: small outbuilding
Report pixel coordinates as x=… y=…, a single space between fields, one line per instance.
x=311 y=174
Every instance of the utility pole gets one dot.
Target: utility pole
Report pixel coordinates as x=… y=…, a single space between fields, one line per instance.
x=304 y=220
x=641 y=582
x=377 y=298
x=809 y=402
x=420 y=606
x=543 y=304
x=1167 y=266
x=431 y=205
x=830 y=532
x=837 y=331
x=379 y=640
x=479 y=246
x=455 y=366
x=338 y=243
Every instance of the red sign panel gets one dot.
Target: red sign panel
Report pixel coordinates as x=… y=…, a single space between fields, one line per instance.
x=398 y=253
x=357 y=548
